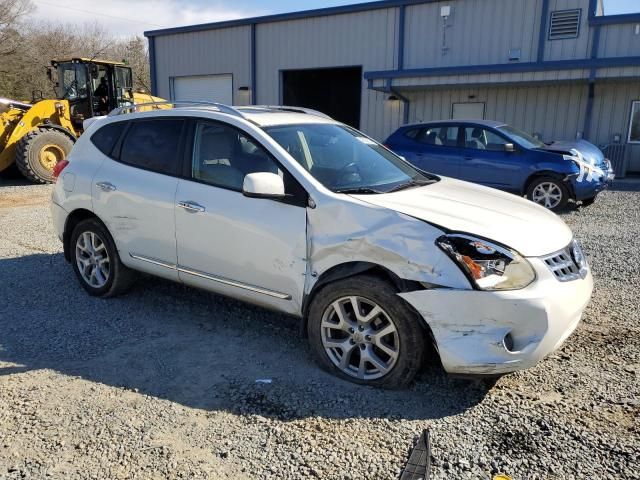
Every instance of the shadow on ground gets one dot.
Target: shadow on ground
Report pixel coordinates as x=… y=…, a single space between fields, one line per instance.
x=191 y=347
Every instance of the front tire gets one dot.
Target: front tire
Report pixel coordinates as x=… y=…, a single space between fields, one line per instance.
x=548 y=192
x=361 y=331
x=39 y=151
x=96 y=262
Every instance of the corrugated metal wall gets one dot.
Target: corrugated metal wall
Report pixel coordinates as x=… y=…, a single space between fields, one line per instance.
x=570 y=48
x=366 y=39
x=203 y=53
x=478 y=32
x=555 y=111
x=619 y=40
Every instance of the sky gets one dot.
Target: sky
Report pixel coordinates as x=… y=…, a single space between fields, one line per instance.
x=132 y=17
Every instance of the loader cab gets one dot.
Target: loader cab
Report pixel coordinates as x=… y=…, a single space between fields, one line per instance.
x=92 y=87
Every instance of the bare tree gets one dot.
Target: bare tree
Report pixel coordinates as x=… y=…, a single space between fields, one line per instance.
x=11 y=12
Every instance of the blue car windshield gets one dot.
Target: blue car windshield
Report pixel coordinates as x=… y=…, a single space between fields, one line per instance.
x=518 y=136
x=346 y=161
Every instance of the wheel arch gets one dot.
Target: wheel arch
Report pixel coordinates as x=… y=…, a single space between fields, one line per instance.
x=547 y=173
x=73 y=219
x=350 y=269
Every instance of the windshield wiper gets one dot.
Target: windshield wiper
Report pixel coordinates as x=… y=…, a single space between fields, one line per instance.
x=412 y=183
x=357 y=190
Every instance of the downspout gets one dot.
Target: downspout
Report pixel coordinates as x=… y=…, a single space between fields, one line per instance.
x=595 y=44
x=254 y=80
x=152 y=66
x=405 y=101
x=402 y=20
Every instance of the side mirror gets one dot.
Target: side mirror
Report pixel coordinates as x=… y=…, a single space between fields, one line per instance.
x=509 y=147
x=263 y=185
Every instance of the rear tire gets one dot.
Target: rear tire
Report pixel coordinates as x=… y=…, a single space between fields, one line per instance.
x=96 y=262
x=39 y=151
x=548 y=192
x=366 y=354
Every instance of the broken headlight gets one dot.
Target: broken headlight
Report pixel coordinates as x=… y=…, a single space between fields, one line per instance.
x=488 y=266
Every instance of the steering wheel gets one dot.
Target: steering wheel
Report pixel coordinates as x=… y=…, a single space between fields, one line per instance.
x=350 y=172
x=71 y=88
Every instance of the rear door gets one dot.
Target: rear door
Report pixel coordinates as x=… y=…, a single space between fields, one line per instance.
x=134 y=194
x=253 y=249
x=486 y=161
x=436 y=150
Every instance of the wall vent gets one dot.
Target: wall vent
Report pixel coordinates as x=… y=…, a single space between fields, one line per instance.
x=565 y=24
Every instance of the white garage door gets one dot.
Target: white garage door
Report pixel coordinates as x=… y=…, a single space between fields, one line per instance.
x=210 y=88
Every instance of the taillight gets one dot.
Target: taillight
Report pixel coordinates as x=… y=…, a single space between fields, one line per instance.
x=57 y=170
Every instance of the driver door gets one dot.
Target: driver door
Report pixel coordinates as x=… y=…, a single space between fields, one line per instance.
x=253 y=249
x=485 y=160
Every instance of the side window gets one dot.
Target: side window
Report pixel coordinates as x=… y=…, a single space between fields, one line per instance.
x=107 y=137
x=413 y=133
x=446 y=136
x=222 y=156
x=481 y=139
x=153 y=145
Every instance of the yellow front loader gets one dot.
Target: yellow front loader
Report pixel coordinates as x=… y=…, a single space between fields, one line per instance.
x=36 y=136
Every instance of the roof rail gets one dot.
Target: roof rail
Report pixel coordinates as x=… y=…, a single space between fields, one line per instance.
x=220 y=107
x=286 y=108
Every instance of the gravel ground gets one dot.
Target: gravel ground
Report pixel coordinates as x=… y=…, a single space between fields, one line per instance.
x=161 y=383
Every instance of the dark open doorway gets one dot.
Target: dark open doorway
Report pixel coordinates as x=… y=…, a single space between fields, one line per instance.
x=334 y=91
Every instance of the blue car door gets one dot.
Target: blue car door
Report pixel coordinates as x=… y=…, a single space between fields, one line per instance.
x=434 y=149
x=486 y=159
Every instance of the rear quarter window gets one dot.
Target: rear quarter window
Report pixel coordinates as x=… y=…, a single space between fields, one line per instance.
x=153 y=145
x=107 y=137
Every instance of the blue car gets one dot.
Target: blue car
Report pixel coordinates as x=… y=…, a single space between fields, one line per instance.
x=500 y=156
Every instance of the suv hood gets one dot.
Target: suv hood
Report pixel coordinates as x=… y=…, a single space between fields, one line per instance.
x=459 y=206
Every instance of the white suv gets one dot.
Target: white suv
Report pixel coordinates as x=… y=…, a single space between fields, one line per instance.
x=288 y=209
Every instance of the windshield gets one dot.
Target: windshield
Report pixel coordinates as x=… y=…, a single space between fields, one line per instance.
x=72 y=81
x=344 y=160
x=524 y=139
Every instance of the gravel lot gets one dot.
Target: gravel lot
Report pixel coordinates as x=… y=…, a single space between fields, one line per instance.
x=161 y=383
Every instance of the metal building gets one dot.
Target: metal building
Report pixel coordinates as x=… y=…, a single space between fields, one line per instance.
x=560 y=69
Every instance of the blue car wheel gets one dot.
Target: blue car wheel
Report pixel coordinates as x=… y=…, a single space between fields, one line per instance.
x=548 y=192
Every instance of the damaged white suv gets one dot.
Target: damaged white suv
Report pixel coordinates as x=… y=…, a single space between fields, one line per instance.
x=288 y=209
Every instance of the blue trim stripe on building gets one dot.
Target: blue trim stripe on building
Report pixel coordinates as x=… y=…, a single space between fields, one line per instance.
x=543 y=30
x=582 y=63
x=402 y=20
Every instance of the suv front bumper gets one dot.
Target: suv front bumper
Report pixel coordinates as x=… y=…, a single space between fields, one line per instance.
x=491 y=333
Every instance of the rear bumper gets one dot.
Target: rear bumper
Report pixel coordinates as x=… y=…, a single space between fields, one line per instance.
x=492 y=333
x=59 y=217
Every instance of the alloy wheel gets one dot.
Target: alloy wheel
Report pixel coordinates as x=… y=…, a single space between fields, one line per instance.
x=93 y=260
x=547 y=194
x=360 y=338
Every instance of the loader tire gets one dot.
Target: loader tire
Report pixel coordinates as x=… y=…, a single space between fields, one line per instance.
x=38 y=152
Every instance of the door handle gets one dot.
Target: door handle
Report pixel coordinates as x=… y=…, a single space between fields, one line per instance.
x=192 y=207
x=106 y=186
x=468 y=158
